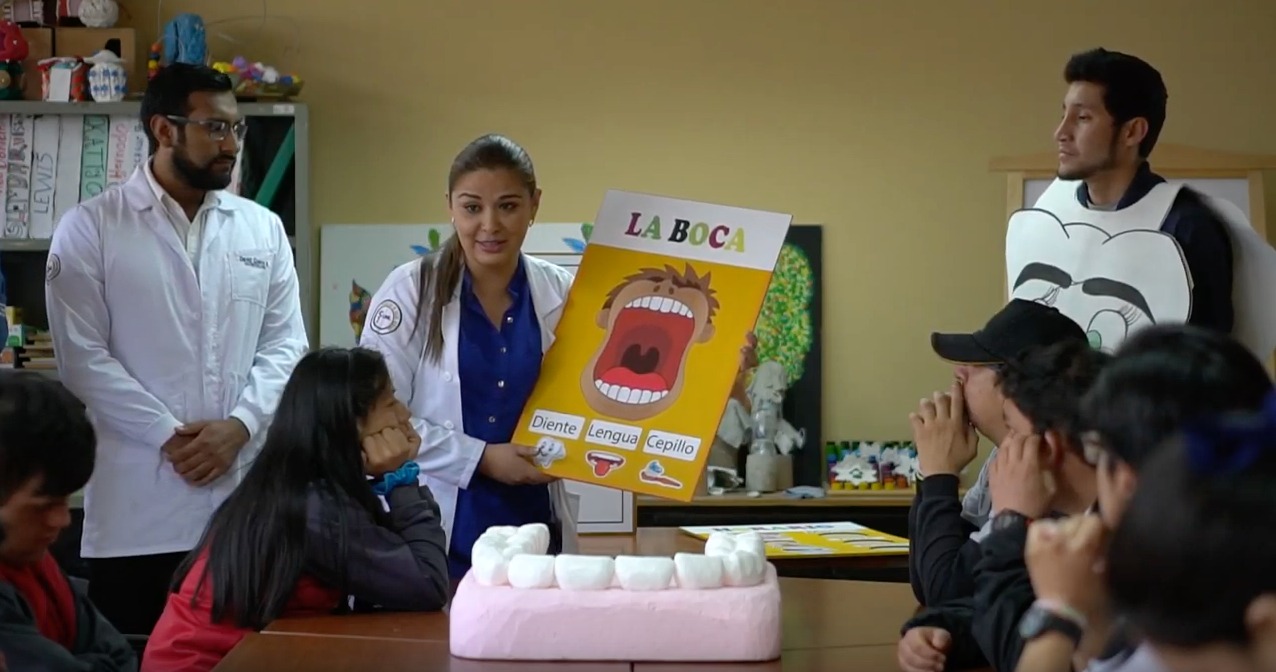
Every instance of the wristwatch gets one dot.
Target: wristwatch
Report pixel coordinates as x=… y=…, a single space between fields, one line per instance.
x=1041 y=619
x=1009 y=519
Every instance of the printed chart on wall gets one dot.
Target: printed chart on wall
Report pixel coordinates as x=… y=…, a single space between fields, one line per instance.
x=648 y=346
x=814 y=540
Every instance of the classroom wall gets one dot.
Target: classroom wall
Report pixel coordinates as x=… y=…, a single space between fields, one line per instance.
x=875 y=119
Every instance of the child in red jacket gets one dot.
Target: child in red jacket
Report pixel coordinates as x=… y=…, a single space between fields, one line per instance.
x=306 y=530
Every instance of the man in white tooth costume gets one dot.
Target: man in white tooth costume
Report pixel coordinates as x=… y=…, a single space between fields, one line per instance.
x=1117 y=248
x=1114 y=246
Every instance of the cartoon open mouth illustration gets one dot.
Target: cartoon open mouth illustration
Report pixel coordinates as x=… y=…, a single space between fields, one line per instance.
x=651 y=320
x=603 y=462
x=1110 y=284
x=654 y=472
x=640 y=361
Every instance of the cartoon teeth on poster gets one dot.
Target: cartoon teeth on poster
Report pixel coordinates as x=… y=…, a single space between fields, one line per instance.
x=1116 y=272
x=634 y=385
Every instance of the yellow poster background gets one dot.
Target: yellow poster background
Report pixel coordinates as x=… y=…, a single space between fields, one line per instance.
x=709 y=369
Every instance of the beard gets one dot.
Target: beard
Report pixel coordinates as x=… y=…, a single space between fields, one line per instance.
x=203 y=177
x=1086 y=172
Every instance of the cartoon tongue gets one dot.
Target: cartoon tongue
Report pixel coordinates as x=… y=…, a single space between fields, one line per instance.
x=603 y=463
x=637 y=370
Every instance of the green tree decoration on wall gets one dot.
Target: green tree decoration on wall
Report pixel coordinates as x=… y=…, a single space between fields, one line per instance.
x=784 y=324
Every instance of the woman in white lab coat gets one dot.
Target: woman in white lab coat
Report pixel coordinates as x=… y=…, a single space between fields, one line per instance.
x=463 y=331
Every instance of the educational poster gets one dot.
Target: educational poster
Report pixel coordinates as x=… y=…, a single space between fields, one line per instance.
x=815 y=540
x=633 y=388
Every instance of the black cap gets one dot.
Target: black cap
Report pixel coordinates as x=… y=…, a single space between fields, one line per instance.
x=1020 y=325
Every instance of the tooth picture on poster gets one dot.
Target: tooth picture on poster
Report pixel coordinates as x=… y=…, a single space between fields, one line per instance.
x=633 y=387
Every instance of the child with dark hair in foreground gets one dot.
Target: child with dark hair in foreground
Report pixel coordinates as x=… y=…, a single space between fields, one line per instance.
x=1191 y=564
x=1161 y=379
x=46 y=453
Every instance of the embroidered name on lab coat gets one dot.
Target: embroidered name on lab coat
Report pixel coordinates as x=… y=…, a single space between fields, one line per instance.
x=253 y=262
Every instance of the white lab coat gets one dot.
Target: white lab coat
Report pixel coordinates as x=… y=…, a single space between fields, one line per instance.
x=432 y=391
x=148 y=346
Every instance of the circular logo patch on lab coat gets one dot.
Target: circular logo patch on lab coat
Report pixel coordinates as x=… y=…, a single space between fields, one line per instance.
x=52 y=268
x=386 y=318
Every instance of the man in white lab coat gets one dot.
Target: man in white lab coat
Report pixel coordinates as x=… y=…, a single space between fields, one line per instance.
x=175 y=317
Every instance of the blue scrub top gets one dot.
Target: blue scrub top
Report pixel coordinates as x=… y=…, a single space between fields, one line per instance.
x=499 y=366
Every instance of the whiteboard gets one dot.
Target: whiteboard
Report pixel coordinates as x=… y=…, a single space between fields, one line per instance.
x=1234 y=190
x=354 y=259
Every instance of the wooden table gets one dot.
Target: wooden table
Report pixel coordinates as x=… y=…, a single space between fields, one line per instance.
x=825 y=625
x=315 y=653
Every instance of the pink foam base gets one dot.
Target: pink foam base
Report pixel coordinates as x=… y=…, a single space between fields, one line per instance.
x=674 y=625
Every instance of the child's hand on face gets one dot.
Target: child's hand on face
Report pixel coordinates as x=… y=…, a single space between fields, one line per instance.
x=413 y=438
x=1017 y=479
x=387 y=450
x=1065 y=562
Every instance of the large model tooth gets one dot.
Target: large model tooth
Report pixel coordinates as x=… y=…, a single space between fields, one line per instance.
x=743 y=568
x=489 y=564
x=752 y=542
x=501 y=530
x=696 y=571
x=635 y=572
x=720 y=543
x=522 y=543
x=531 y=571
x=583 y=572
x=539 y=532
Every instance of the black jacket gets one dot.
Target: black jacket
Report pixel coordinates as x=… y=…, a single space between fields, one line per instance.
x=985 y=627
x=941 y=554
x=399 y=568
x=956 y=617
x=1003 y=593
x=99 y=647
x=1207 y=247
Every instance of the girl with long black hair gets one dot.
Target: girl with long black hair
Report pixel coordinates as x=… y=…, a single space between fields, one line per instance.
x=306 y=530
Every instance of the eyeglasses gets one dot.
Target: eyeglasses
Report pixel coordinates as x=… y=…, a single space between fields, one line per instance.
x=217 y=129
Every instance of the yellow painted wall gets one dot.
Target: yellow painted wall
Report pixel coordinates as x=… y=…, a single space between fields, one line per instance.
x=874 y=118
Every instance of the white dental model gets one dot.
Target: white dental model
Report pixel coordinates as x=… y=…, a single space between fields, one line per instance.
x=515 y=557
x=517 y=603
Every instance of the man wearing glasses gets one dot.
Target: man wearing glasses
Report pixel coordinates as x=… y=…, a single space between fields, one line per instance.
x=175 y=315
